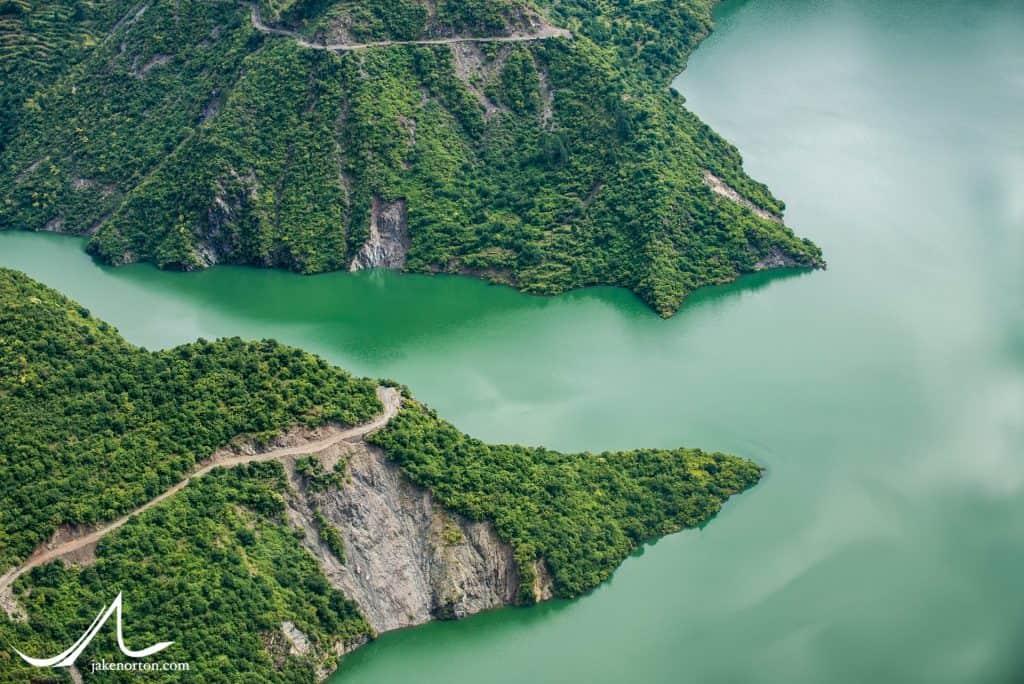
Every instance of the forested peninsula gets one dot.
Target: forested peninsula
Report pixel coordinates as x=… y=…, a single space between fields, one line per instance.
x=537 y=145
x=268 y=512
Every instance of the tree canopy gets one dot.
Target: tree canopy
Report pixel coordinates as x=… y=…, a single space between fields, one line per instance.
x=184 y=136
x=93 y=427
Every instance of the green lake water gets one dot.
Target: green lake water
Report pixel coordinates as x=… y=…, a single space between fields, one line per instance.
x=885 y=396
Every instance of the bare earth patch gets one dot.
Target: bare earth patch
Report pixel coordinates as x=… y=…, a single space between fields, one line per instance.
x=720 y=187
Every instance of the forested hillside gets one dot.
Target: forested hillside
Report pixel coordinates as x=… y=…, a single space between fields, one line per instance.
x=582 y=514
x=41 y=40
x=94 y=427
x=181 y=133
x=216 y=569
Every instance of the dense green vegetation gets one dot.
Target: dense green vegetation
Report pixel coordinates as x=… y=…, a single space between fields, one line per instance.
x=329 y=535
x=317 y=478
x=581 y=513
x=93 y=427
x=214 y=569
x=184 y=136
x=39 y=41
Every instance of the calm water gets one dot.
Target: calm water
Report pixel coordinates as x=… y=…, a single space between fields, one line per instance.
x=885 y=396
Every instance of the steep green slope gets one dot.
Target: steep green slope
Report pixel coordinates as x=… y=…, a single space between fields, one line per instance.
x=582 y=514
x=39 y=41
x=215 y=569
x=94 y=427
x=186 y=136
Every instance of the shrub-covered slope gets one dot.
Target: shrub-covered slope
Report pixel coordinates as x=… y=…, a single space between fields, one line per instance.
x=216 y=569
x=181 y=134
x=39 y=41
x=94 y=427
x=581 y=514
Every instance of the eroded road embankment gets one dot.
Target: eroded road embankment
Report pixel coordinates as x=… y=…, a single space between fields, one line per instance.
x=224 y=458
x=543 y=32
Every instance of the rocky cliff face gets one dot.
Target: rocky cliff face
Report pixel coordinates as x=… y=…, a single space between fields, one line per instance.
x=776 y=258
x=218 y=240
x=389 y=237
x=407 y=560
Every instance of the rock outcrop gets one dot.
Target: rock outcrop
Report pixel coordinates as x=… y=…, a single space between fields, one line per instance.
x=776 y=258
x=298 y=642
x=720 y=187
x=475 y=69
x=218 y=240
x=389 y=240
x=407 y=560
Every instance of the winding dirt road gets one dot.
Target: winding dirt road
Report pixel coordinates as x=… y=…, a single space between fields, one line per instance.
x=543 y=33
x=389 y=396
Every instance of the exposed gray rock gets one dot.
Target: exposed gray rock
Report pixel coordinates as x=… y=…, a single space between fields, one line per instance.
x=32 y=168
x=55 y=225
x=720 y=187
x=547 y=98
x=543 y=582
x=476 y=70
x=212 y=107
x=775 y=258
x=298 y=642
x=156 y=61
x=407 y=560
x=217 y=238
x=389 y=237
